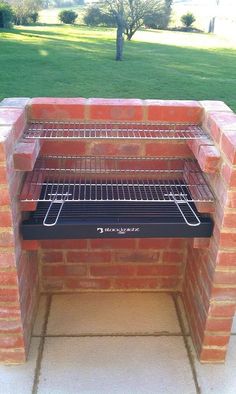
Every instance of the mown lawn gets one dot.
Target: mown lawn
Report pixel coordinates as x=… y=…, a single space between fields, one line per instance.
x=64 y=61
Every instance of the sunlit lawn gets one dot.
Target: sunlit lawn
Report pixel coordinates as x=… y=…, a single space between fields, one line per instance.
x=66 y=61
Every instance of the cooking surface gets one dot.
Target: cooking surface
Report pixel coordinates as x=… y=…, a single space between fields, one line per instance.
x=113 y=130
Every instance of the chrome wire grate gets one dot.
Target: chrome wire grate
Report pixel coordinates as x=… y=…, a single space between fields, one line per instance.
x=48 y=130
x=60 y=179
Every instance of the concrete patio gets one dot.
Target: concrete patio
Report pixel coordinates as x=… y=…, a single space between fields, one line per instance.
x=115 y=343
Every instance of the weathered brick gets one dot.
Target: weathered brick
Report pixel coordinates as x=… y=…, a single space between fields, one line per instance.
x=159 y=270
x=50 y=108
x=89 y=257
x=228 y=144
x=52 y=256
x=168 y=149
x=88 y=284
x=25 y=155
x=208 y=158
x=174 y=111
x=66 y=244
x=115 y=109
x=126 y=243
x=112 y=270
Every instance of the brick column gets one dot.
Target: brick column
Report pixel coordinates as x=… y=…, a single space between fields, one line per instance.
x=209 y=288
x=18 y=268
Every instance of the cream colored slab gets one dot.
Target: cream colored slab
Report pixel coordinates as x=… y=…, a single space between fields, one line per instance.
x=218 y=378
x=19 y=379
x=40 y=318
x=115 y=366
x=111 y=313
x=234 y=326
x=183 y=315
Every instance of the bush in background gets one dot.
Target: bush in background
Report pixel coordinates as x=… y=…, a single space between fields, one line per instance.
x=6 y=15
x=188 y=20
x=68 y=17
x=95 y=16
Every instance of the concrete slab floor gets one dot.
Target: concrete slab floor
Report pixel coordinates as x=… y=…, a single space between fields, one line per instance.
x=138 y=358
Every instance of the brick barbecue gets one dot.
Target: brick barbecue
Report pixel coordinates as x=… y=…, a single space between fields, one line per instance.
x=202 y=269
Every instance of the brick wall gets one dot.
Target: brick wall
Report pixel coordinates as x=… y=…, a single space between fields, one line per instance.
x=209 y=288
x=18 y=269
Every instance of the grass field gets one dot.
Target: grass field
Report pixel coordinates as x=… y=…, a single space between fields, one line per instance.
x=64 y=61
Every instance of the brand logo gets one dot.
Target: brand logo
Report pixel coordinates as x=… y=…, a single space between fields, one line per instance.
x=118 y=230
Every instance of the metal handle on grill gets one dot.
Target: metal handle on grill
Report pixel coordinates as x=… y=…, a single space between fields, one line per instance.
x=178 y=203
x=54 y=201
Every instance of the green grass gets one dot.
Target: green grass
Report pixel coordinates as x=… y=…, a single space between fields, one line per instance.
x=64 y=61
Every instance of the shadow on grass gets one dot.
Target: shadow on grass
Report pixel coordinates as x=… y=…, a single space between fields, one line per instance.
x=64 y=63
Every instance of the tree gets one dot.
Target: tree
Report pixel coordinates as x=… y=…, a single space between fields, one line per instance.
x=6 y=15
x=211 y=28
x=188 y=19
x=129 y=16
x=23 y=9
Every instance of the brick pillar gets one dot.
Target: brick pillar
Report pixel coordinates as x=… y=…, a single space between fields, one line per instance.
x=18 y=268
x=210 y=279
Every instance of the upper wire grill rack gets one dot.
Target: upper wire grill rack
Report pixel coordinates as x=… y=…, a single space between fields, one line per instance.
x=48 y=130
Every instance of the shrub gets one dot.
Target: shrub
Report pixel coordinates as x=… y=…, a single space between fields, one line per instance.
x=6 y=15
x=188 y=19
x=34 y=17
x=68 y=17
x=95 y=16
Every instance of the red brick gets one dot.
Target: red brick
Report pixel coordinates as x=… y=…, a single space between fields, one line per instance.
x=52 y=257
x=4 y=197
x=231 y=199
x=208 y=158
x=6 y=239
x=214 y=105
x=7 y=260
x=219 y=324
x=25 y=155
x=52 y=284
x=9 y=312
x=30 y=245
x=126 y=243
x=227 y=240
x=112 y=270
x=219 y=122
x=228 y=144
x=5 y=219
x=226 y=258
x=153 y=243
x=50 y=108
x=136 y=283
x=115 y=109
x=225 y=277
x=63 y=148
x=11 y=342
x=174 y=111
x=88 y=284
x=161 y=270
x=3 y=175
x=10 y=326
x=137 y=257
x=28 y=206
x=65 y=244
x=229 y=174
x=224 y=293
x=89 y=257
x=209 y=355
x=115 y=148
x=9 y=116
x=64 y=270
x=173 y=257
x=201 y=243
x=216 y=340
x=222 y=310
x=168 y=149
x=12 y=357
x=8 y=278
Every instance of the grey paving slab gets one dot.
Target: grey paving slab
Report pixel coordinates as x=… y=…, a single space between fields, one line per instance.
x=117 y=365
x=218 y=378
x=109 y=313
x=183 y=315
x=15 y=102
x=234 y=326
x=19 y=379
x=40 y=318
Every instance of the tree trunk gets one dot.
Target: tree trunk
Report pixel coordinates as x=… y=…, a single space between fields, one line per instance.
x=119 y=40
